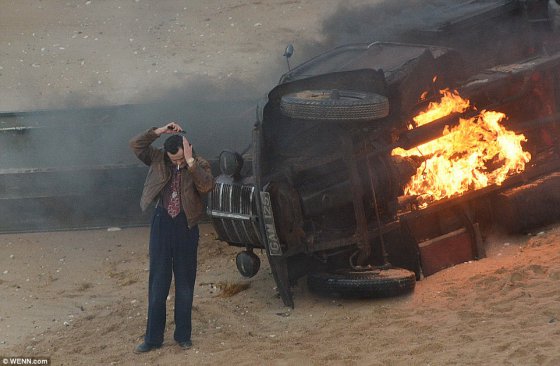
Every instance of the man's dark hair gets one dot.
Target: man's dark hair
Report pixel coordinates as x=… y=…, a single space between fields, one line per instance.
x=173 y=144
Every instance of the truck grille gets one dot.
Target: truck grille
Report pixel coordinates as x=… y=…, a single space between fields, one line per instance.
x=233 y=211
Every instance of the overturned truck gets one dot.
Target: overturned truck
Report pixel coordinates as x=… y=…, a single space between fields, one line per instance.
x=358 y=181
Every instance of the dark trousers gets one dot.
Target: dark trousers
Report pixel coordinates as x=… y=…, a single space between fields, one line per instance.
x=173 y=249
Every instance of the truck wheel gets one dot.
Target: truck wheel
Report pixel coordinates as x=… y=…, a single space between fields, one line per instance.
x=374 y=283
x=334 y=105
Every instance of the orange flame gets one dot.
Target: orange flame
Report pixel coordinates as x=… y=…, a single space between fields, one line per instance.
x=451 y=102
x=474 y=154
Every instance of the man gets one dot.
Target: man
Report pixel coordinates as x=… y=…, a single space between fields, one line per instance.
x=176 y=180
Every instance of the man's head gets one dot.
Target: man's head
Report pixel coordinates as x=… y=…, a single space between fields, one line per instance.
x=173 y=147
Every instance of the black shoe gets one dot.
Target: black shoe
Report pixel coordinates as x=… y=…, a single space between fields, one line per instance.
x=145 y=347
x=185 y=344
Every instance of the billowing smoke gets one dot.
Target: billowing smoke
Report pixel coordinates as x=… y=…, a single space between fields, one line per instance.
x=216 y=116
x=485 y=32
x=72 y=167
x=88 y=143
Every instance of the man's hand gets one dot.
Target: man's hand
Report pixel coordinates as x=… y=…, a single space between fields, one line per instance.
x=172 y=127
x=187 y=150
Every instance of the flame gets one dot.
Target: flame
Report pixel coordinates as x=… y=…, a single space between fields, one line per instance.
x=478 y=152
x=451 y=102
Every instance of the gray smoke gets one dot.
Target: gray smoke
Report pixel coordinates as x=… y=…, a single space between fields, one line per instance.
x=72 y=167
x=216 y=114
x=498 y=38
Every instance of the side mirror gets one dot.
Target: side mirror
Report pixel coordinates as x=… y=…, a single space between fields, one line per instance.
x=288 y=53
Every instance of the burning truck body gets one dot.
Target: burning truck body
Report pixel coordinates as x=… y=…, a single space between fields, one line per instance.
x=372 y=165
x=376 y=164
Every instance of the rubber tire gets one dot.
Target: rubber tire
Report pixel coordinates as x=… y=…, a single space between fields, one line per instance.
x=376 y=283
x=331 y=105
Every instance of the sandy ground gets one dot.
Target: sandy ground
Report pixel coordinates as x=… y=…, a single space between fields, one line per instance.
x=115 y=51
x=79 y=297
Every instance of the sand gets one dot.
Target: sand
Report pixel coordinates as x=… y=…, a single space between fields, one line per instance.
x=79 y=297
x=67 y=53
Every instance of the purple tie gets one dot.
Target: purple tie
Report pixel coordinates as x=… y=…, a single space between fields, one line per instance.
x=174 y=205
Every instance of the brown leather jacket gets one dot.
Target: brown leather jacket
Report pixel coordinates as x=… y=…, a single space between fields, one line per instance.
x=195 y=181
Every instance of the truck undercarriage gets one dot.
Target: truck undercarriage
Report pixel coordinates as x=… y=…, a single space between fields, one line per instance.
x=326 y=196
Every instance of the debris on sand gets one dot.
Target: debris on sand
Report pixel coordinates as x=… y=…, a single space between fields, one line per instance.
x=230 y=289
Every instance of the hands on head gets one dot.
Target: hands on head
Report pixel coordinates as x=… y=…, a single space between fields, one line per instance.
x=174 y=127
x=171 y=127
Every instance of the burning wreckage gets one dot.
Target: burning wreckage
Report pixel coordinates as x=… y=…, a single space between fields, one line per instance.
x=376 y=164
x=372 y=165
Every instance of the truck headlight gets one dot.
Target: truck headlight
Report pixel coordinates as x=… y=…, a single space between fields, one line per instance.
x=230 y=163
